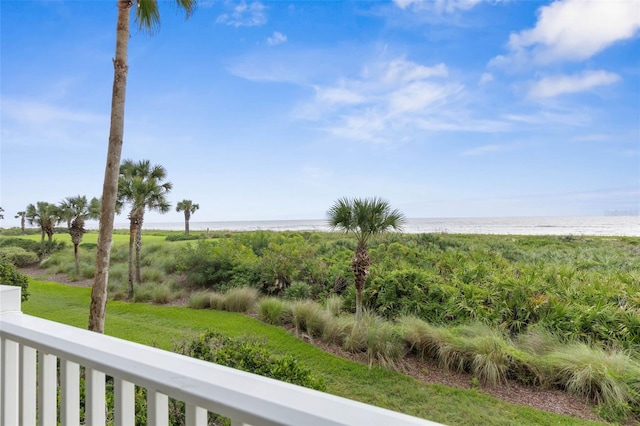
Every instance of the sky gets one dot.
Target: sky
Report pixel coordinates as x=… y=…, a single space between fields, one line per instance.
x=272 y=110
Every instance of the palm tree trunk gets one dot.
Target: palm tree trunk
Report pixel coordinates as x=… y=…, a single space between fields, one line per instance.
x=75 y=254
x=360 y=266
x=138 y=250
x=133 y=229
x=186 y=223
x=112 y=170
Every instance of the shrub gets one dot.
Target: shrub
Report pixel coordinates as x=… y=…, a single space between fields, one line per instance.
x=162 y=294
x=181 y=237
x=298 y=290
x=18 y=256
x=23 y=243
x=9 y=275
x=250 y=355
x=336 y=329
x=241 y=299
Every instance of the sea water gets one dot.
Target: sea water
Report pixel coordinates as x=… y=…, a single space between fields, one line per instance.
x=583 y=225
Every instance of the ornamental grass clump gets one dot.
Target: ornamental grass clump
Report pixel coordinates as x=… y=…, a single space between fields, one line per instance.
x=199 y=300
x=217 y=301
x=271 y=310
x=334 y=304
x=606 y=377
x=380 y=341
x=241 y=299
x=337 y=328
x=426 y=339
x=307 y=316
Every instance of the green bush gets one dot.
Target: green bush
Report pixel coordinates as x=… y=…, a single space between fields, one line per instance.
x=28 y=245
x=249 y=355
x=9 y=275
x=297 y=291
x=199 y=300
x=181 y=237
x=18 y=256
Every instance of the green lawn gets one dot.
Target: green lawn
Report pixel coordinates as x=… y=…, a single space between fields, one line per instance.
x=162 y=326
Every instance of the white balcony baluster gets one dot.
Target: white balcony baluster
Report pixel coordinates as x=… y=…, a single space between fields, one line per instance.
x=195 y=416
x=28 y=386
x=95 y=409
x=47 y=389
x=124 y=403
x=157 y=409
x=69 y=393
x=10 y=382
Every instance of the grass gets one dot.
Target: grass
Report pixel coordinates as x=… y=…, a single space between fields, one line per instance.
x=162 y=326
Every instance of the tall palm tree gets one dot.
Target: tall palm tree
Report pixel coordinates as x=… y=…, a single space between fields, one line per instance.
x=46 y=216
x=22 y=215
x=148 y=17
x=364 y=218
x=141 y=186
x=75 y=210
x=188 y=207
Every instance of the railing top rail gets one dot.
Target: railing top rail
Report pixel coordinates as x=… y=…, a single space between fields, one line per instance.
x=242 y=396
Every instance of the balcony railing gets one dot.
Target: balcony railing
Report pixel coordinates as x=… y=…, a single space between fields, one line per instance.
x=30 y=381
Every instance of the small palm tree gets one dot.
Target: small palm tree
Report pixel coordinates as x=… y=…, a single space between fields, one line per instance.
x=364 y=218
x=75 y=210
x=46 y=216
x=141 y=186
x=188 y=207
x=22 y=215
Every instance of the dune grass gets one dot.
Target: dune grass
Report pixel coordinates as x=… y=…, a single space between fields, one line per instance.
x=163 y=326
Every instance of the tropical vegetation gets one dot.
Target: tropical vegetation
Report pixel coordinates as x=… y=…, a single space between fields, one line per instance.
x=142 y=187
x=543 y=310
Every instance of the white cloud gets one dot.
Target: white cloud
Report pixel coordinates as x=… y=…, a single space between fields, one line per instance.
x=387 y=98
x=276 y=38
x=244 y=15
x=558 y=85
x=573 y=30
x=440 y=6
x=485 y=78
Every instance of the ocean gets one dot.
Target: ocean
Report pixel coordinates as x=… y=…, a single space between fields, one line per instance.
x=583 y=225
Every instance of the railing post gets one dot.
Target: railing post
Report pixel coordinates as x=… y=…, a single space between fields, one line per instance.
x=157 y=408
x=10 y=298
x=95 y=407
x=47 y=389
x=27 y=385
x=69 y=393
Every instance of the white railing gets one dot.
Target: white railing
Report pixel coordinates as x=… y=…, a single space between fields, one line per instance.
x=29 y=382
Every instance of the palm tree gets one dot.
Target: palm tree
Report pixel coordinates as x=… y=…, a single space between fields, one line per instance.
x=75 y=210
x=188 y=207
x=364 y=218
x=141 y=186
x=46 y=216
x=22 y=215
x=148 y=17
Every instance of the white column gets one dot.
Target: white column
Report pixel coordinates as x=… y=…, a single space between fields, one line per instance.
x=195 y=416
x=10 y=381
x=124 y=403
x=157 y=408
x=47 y=389
x=95 y=407
x=28 y=386
x=69 y=393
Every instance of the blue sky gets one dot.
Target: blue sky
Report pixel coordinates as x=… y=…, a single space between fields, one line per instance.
x=266 y=110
